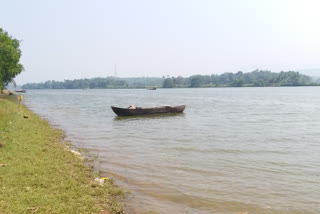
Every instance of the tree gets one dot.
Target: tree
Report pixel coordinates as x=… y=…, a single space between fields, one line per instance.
x=238 y=83
x=179 y=81
x=10 y=54
x=168 y=83
x=195 y=81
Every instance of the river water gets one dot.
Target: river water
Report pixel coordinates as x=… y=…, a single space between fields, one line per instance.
x=233 y=150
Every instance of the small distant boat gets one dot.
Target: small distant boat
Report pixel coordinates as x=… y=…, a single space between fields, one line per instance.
x=153 y=88
x=21 y=91
x=137 y=111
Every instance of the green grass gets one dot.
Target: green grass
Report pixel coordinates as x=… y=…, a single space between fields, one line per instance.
x=38 y=174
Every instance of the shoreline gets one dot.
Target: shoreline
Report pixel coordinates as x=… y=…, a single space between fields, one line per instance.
x=39 y=172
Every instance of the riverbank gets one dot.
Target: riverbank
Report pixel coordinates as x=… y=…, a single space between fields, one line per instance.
x=40 y=174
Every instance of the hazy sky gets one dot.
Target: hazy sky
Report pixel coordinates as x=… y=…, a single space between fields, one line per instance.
x=66 y=39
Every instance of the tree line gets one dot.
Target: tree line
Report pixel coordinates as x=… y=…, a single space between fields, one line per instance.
x=108 y=82
x=257 y=78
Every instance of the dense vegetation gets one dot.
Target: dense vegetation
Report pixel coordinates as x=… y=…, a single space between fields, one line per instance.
x=257 y=78
x=10 y=54
x=38 y=174
x=108 y=82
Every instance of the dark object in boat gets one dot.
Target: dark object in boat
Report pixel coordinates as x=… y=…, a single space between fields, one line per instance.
x=136 y=111
x=153 y=88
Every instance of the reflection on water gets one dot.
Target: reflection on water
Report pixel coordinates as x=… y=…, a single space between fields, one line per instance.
x=147 y=117
x=233 y=150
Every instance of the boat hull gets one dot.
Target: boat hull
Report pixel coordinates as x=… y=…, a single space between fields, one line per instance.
x=21 y=91
x=148 y=111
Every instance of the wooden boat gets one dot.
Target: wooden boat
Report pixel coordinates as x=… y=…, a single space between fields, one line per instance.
x=147 y=111
x=21 y=91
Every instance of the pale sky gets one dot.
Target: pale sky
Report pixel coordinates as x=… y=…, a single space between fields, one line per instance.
x=73 y=39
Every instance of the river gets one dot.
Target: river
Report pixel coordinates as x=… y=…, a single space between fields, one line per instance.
x=233 y=150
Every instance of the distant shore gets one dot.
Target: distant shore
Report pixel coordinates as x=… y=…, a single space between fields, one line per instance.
x=40 y=173
x=203 y=86
x=257 y=78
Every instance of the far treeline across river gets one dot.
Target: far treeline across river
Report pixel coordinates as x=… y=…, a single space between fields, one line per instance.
x=257 y=78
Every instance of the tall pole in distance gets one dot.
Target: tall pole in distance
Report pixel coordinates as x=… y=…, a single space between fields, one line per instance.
x=115 y=71
x=115 y=75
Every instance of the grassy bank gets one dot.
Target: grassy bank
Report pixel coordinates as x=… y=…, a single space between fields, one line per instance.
x=38 y=174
